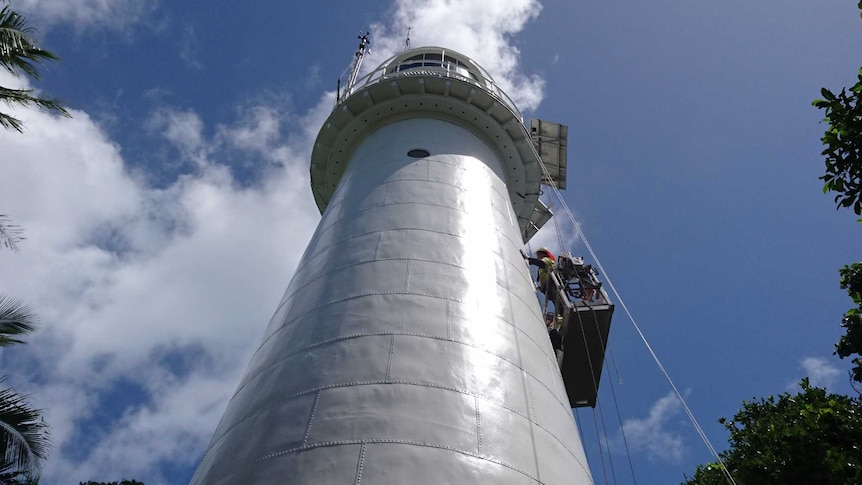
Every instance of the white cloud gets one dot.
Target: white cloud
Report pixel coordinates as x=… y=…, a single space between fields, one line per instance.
x=482 y=30
x=259 y=129
x=819 y=371
x=167 y=289
x=86 y=13
x=184 y=131
x=651 y=436
x=189 y=48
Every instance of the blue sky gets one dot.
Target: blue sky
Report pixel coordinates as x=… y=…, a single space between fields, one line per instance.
x=164 y=220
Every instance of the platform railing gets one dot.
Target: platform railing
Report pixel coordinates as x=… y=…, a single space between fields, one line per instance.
x=446 y=69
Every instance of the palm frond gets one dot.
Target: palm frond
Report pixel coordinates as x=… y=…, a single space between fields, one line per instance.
x=10 y=234
x=24 y=436
x=18 y=50
x=16 y=318
x=10 y=475
x=11 y=123
x=22 y=97
x=20 y=54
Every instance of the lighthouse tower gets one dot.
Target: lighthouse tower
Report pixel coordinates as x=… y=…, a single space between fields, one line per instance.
x=410 y=346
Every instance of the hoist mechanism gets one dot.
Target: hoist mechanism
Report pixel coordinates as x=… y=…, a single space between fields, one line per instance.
x=583 y=306
x=355 y=66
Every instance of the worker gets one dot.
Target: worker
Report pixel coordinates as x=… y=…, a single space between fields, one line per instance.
x=545 y=261
x=589 y=283
x=556 y=338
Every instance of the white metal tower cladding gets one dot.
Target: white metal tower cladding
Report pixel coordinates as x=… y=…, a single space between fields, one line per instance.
x=409 y=346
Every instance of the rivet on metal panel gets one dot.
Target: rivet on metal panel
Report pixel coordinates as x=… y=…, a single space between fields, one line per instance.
x=478 y=428
x=360 y=464
x=310 y=418
x=391 y=354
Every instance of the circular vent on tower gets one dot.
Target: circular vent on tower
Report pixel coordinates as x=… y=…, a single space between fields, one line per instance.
x=418 y=153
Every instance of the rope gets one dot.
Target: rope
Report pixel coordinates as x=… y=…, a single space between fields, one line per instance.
x=601 y=411
x=607 y=445
x=616 y=406
x=578 y=419
x=556 y=225
x=596 y=390
x=622 y=430
x=601 y=451
x=577 y=415
x=616 y=369
x=592 y=374
x=664 y=372
x=595 y=383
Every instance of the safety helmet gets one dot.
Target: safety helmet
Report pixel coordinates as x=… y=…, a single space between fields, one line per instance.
x=548 y=253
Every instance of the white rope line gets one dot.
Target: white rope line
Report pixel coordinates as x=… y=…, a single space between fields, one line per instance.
x=664 y=372
x=601 y=449
x=622 y=430
x=598 y=404
x=607 y=444
x=556 y=224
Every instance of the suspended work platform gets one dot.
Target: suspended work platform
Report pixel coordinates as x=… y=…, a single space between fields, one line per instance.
x=585 y=335
x=585 y=311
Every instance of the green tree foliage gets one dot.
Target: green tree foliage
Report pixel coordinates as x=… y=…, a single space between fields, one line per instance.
x=804 y=438
x=851 y=342
x=19 y=55
x=843 y=152
x=843 y=144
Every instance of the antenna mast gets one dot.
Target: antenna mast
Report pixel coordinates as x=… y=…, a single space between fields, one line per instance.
x=407 y=42
x=357 y=61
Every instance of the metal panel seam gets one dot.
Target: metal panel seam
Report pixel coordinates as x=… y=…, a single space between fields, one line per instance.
x=310 y=418
x=391 y=354
x=531 y=408
x=398 y=442
x=359 y=465
x=364 y=334
x=448 y=319
x=401 y=382
x=309 y=258
x=478 y=428
x=412 y=334
x=524 y=384
x=338 y=269
x=407 y=276
x=368 y=334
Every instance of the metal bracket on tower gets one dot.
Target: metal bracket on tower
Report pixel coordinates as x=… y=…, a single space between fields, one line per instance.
x=541 y=215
